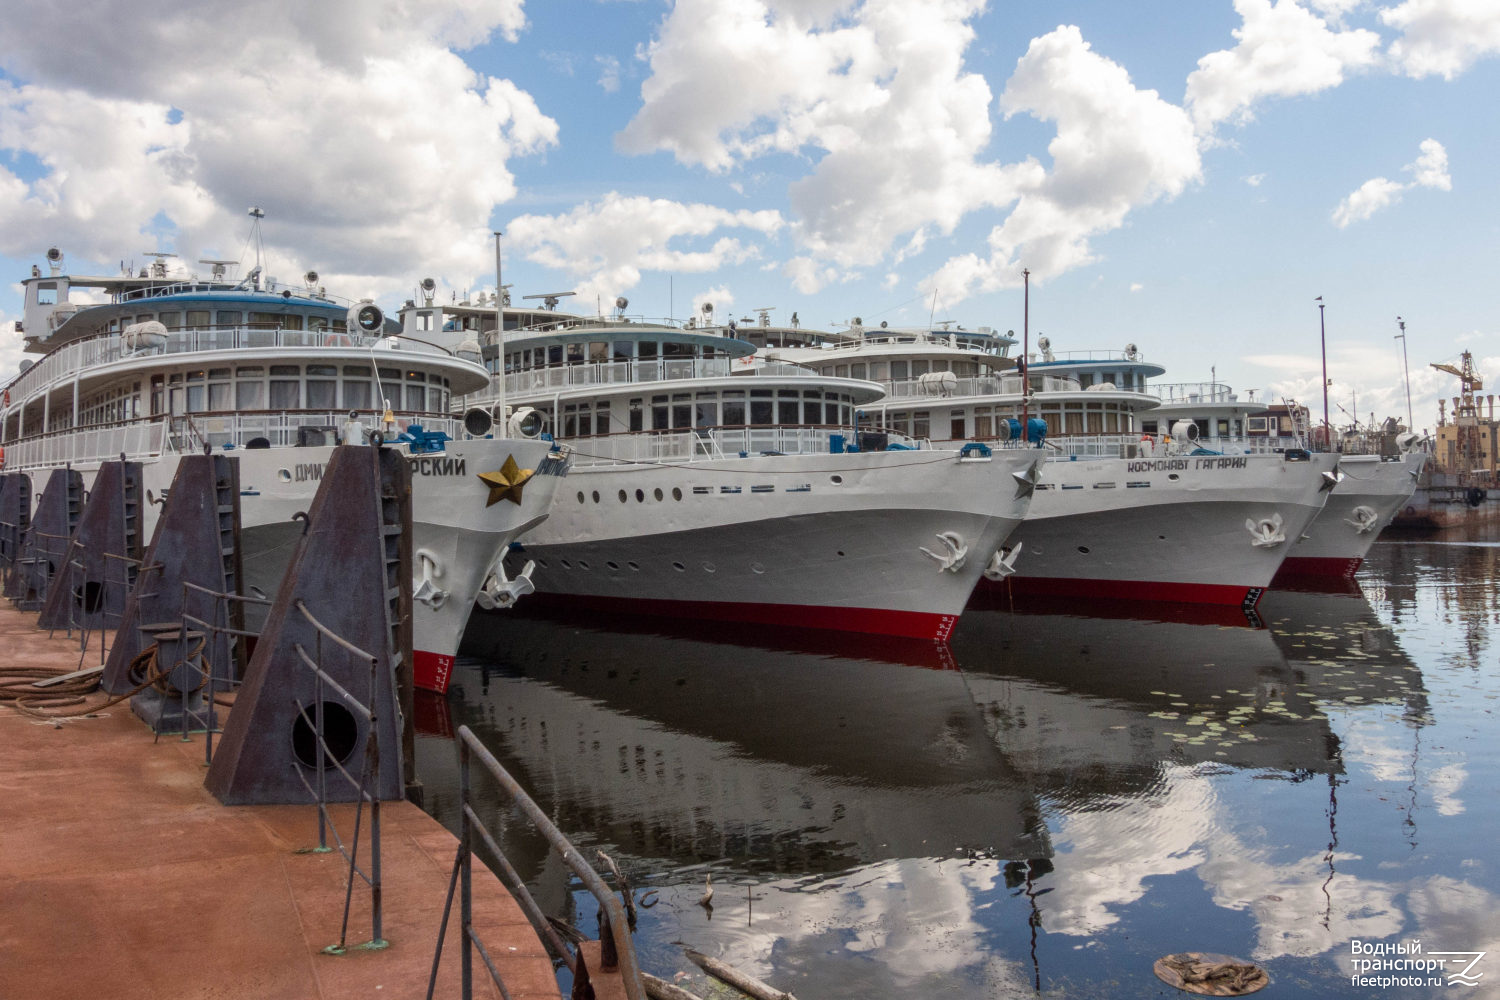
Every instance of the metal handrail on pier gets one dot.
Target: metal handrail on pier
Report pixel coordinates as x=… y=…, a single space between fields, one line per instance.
x=362 y=784
x=617 y=950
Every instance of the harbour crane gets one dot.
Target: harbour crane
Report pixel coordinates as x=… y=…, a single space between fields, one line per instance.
x=1466 y=415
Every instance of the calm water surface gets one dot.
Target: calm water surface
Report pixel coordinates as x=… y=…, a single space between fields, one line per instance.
x=1049 y=807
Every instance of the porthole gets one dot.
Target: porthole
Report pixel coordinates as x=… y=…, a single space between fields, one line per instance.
x=596 y=496
x=633 y=566
x=640 y=496
x=624 y=496
x=583 y=564
x=285 y=475
x=679 y=567
x=1084 y=549
x=1173 y=476
x=709 y=567
x=659 y=495
x=841 y=554
x=835 y=480
x=676 y=493
x=580 y=496
x=566 y=564
x=613 y=565
x=544 y=564
x=757 y=568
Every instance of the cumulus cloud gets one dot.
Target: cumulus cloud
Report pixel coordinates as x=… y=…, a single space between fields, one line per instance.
x=373 y=148
x=1371 y=196
x=1282 y=50
x=1430 y=169
x=875 y=92
x=1116 y=148
x=609 y=73
x=1442 y=37
x=605 y=245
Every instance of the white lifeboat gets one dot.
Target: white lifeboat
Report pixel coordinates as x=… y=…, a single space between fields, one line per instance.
x=144 y=336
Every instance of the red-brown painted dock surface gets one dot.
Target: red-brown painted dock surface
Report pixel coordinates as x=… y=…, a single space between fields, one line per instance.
x=122 y=878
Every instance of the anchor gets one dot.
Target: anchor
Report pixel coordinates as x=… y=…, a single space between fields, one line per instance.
x=1266 y=532
x=953 y=559
x=1002 y=563
x=500 y=592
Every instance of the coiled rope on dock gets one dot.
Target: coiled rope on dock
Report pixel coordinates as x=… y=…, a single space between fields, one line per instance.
x=18 y=686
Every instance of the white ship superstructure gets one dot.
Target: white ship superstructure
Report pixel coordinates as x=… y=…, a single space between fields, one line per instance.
x=706 y=484
x=1123 y=511
x=156 y=364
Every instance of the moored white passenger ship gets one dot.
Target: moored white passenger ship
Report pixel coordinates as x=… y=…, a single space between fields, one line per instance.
x=1119 y=514
x=154 y=365
x=707 y=485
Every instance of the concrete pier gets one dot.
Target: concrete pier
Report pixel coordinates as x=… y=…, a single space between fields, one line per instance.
x=122 y=877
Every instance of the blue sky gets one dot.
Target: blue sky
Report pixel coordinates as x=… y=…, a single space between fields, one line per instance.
x=1187 y=177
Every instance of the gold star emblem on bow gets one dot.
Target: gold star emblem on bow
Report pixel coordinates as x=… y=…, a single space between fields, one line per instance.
x=506 y=484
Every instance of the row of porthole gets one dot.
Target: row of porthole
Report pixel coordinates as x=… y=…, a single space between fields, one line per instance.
x=583 y=564
x=640 y=495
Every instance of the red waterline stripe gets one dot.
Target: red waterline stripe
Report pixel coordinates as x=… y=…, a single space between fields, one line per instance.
x=431 y=671
x=1237 y=595
x=1341 y=567
x=872 y=621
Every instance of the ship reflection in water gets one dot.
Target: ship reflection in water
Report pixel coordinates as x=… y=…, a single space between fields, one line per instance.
x=1052 y=804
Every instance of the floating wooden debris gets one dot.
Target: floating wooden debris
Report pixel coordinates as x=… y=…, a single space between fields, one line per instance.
x=1209 y=974
x=724 y=972
x=660 y=989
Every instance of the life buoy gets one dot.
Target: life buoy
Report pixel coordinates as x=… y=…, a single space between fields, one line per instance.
x=7 y=397
x=339 y=340
x=2 y=458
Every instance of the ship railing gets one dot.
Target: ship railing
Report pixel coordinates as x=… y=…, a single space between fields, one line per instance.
x=928 y=387
x=149 y=437
x=143 y=438
x=775 y=369
x=701 y=445
x=1193 y=392
x=81 y=355
x=617 y=950
x=566 y=376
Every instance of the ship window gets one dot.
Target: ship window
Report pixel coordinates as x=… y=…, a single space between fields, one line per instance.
x=682 y=410
x=171 y=320
x=706 y=410
x=197 y=319
x=983 y=422
x=734 y=408
x=659 y=413
x=622 y=350
x=637 y=414
x=415 y=397
x=218 y=395
x=842 y=371
x=830 y=412
x=648 y=350
x=857 y=371
x=760 y=409
x=921 y=423
x=899 y=370
x=674 y=349
x=410 y=376
x=286 y=394
x=322 y=393
x=880 y=371
x=956 y=424
x=46 y=294
x=918 y=368
x=575 y=354
x=786 y=407
x=598 y=350
x=195 y=399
